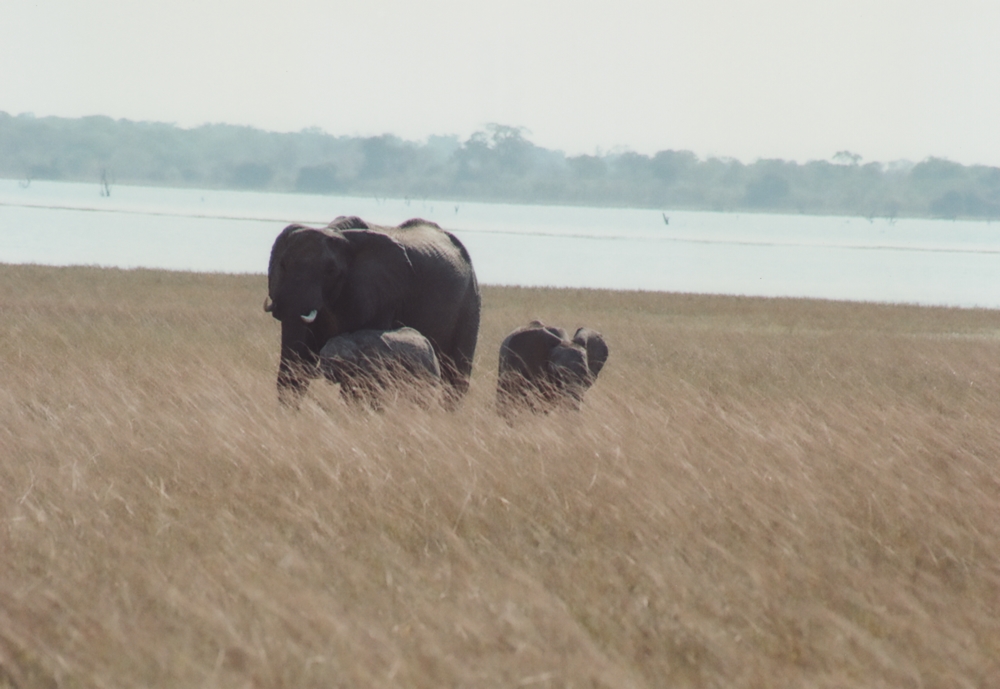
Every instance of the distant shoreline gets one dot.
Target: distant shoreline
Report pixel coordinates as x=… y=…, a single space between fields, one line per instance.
x=543 y=204
x=495 y=166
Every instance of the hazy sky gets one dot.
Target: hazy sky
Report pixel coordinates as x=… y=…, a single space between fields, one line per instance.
x=887 y=79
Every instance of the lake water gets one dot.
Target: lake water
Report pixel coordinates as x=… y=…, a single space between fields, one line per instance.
x=936 y=262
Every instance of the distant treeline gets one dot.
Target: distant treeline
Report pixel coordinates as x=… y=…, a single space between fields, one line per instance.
x=496 y=164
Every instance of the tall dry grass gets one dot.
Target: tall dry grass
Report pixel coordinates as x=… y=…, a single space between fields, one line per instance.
x=757 y=493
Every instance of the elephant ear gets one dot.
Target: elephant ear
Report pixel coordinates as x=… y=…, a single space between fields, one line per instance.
x=279 y=247
x=597 y=348
x=528 y=350
x=379 y=276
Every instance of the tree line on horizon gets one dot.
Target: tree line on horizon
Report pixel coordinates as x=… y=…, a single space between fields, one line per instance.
x=498 y=164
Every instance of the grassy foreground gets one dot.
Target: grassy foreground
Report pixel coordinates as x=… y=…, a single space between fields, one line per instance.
x=757 y=493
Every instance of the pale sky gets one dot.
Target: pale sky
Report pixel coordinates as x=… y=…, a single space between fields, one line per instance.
x=793 y=79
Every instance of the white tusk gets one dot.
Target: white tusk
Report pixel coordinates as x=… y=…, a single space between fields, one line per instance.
x=311 y=316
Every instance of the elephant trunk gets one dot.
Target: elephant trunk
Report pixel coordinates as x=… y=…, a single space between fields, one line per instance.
x=299 y=361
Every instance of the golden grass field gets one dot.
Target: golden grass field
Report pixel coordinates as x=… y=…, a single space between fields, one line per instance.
x=757 y=493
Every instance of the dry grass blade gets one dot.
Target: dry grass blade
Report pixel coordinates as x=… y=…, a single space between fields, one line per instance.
x=756 y=493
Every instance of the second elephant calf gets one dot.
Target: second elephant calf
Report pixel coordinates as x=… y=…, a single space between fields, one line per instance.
x=542 y=367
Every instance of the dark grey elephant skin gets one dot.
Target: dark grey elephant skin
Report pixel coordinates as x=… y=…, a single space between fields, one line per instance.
x=373 y=366
x=351 y=276
x=542 y=367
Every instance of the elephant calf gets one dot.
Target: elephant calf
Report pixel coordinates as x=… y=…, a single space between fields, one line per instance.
x=541 y=368
x=373 y=365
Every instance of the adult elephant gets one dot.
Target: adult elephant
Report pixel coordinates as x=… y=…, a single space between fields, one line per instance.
x=351 y=276
x=542 y=367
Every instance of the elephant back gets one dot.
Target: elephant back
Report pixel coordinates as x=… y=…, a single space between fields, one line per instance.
x=413 y=351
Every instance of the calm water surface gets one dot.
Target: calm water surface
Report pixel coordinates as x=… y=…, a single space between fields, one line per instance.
x=913 y=261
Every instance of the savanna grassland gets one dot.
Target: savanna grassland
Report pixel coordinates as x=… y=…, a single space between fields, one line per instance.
x=757 y=493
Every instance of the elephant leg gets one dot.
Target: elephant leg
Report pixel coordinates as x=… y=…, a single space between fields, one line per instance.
x=456 y=383
x=515 y=393
x=361 y=391
x=506 y=402
x=456 y=369
x=292 y=384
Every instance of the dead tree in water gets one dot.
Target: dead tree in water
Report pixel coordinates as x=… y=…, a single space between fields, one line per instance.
x=105 y=183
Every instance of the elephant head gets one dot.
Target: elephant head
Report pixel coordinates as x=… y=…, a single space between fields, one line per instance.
x=568 y=372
